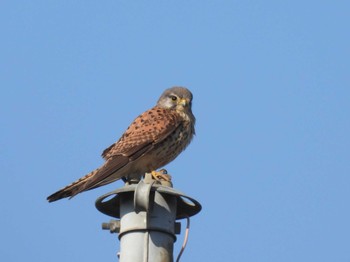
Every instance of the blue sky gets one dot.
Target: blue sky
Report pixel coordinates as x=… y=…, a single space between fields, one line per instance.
x=269 y=164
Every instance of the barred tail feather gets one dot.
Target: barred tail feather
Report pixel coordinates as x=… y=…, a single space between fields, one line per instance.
x=72 y=189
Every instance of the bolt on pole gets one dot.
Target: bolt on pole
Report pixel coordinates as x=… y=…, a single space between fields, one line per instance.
x=148 y=212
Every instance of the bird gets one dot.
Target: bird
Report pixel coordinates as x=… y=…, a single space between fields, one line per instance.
x=153 y=139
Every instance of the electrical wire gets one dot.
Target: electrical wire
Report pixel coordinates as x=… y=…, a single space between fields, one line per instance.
x=185 y=239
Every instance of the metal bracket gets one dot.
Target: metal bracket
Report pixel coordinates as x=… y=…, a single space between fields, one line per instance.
x=113 y=226
x=142 y=196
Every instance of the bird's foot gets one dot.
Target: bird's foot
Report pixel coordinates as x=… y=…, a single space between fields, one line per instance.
x=161 y=175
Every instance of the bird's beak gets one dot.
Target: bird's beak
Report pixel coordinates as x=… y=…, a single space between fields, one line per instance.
x=183 y=102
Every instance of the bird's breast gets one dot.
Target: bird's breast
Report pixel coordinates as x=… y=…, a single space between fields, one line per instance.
x=168 y=149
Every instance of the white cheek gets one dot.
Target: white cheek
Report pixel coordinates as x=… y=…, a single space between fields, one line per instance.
x=169 y=104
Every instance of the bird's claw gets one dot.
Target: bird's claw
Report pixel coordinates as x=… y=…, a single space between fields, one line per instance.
x=161 y=175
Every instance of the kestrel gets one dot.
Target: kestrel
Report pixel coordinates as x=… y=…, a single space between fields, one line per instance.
x=154 y=139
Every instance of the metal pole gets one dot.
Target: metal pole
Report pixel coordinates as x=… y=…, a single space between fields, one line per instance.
x=148 y=214
x=147 y=235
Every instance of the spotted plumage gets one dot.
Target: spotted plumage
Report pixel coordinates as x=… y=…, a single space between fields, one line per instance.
x=154 y=139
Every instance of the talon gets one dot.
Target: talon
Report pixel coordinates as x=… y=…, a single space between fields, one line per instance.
x=161 y=175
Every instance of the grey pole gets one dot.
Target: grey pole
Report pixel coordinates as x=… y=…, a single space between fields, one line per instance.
x=148 y=213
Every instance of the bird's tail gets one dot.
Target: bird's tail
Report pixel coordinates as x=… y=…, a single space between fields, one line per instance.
x=72 y=189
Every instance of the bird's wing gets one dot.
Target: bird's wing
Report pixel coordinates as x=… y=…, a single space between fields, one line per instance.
x=148 y=129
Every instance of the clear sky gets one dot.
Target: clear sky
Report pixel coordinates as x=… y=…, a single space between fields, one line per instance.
x=271 y=85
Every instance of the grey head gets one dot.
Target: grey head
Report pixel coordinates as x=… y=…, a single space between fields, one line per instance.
x=178 y=98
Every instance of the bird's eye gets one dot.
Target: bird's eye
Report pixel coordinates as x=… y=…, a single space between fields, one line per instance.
x=174 y=98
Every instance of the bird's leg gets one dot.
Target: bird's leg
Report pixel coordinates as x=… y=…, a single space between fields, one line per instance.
x=161 y=175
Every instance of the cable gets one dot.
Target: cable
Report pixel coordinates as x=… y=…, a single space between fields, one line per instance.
x=185 y=239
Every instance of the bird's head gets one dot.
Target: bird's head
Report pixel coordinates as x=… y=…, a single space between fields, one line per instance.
x=177 y=98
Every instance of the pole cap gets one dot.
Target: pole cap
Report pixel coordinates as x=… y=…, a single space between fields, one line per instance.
x=109 y=204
